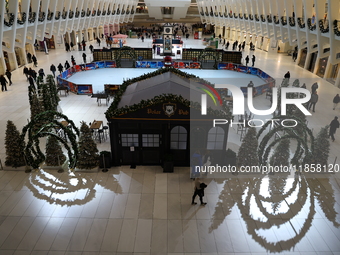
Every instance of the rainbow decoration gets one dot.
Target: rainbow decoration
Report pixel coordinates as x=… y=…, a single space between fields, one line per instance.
x=211 y=94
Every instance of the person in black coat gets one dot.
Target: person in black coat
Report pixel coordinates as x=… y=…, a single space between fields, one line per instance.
x=3 y=83
x=253 y=60
x=67 y=65
x=84 y=57
x=53 y=69
x=25 y=72
x=31 y=81
x=247 y=60
x=34 y=59
x=60 y=68
x=332 y=128
x=315 y=86
x=9 y=76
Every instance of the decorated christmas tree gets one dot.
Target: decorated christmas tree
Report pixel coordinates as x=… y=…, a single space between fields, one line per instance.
x=54 y=154
x=88 y=156
x=281 y=154
x=296 y=83
x=248 y=152
x=321 y=147
x=14 y=146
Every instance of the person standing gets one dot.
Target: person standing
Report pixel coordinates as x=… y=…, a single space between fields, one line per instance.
x=60 y=68
x=32 y=73
x=84 y=45
x=25 y=71
x=336 y=100
x=91 y=48
x=295 y=54
x=29 y=57
x=332 y=127
x=313 y=100
x=142 y=38
x=35 y=62
x=9 y=76
x=53 y=69
x=41 y=74
x=315 y=86
x=287 y=75
x=98 y=41
x=198 y=190
x=3 y=83
x=84 y=57
x=227 y=45
x=73 y=61
x=31 y=81
x=67 y=65
x=253 y=60
x=247 y=60
x=72 y=45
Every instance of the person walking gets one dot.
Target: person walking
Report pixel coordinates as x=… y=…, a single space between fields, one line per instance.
x=73 y=61
x=198 y=190
x=9 y=76
x=35 y=62
x=313 y=100
x=3 y=83
x=336 y=100
x=25 y=71
x=53 y=69
x=31 y=81
x=91 y=48
x=84 y=45
x=253 y=60
x=287 y=75
x=72 y=45
x=29 y=57
x=247 y=60
x=84 y=57
x=60 y=68
x=98 y=41
x=142 y=38
x=41 y=73
x=33 y=73
x=315 y=86
x=332 y=127
x=67 y=47
x=295 y=54
x=67 y=65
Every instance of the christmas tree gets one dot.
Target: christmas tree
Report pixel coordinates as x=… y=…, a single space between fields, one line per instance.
x=296 y=83
x=54 y=154
x=248 y=152
x=88 y=156
x=281 y=154
x=321 y=147
x=14 y=146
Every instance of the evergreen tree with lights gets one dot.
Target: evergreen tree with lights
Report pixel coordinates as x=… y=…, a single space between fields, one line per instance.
x=88 y=156
x=281 y=154
x=321 y=147
x=248 y=152
x=54 y=154
x=14 y=146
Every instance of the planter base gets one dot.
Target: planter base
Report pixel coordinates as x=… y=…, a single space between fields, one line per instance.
x=92 y=170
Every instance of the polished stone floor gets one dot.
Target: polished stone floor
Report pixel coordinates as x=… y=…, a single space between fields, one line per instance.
x=145 y=211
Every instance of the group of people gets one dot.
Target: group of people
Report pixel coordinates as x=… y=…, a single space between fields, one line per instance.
x=70 y=46
x=253 y=58
x=4 y=82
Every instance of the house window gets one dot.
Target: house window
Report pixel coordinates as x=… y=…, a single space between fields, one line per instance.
x=129 y=140
x=150 y=140
x=215 y=138
x=178 y=138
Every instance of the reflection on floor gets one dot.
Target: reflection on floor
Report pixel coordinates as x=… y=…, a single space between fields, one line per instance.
x=145 y=211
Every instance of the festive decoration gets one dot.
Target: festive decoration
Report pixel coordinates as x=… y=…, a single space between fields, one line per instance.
x=281 y=154
x=42 y=16
x=70 y=14
x=77 y=13
x=269 y=18
x=14 y=146
x=54 y=154
x=247 y=154
x=321 y=148
x=284 y=20
x=23 y=19
x=245 y=16
x=50 y=15
x=309 y=24
x=114 y=111
x=126 y=50
x=276 y=19
x=296 y=83
x=257 y=17
x=336 y=28
x=263 y=19
x=88 y=13
x=240 y=16
x=88 y=156
x=221 y=14
x=291 y=21
x=301 y=23
x=206 y=53
x=322 y=28
x=230 y=15
x=251 y=17
x=10 y=21
x=64 y=15
x=83 y=13
x=33 y=154
x=57 y=15
x=99 y=12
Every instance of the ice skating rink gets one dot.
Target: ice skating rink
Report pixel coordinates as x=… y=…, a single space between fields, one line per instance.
x=115 y=76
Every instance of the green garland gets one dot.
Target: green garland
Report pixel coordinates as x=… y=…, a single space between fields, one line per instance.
x=276 y=19
x=113 y=111
x=126 y=50
x=263 y=19
x=257 y=17
x=269 y=18
x=57 y=16
x=50 y=15
x=70 y=14
x=283 y=20
x=292 y=21
x=251 y=17
x=33 y=155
